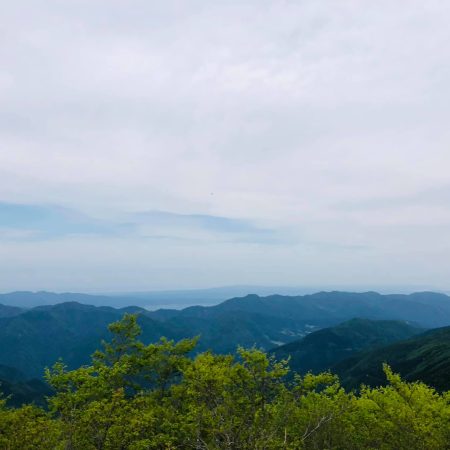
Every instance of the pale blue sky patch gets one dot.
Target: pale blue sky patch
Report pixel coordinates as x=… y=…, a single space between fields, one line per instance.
x=46 y=222
x=18 y=221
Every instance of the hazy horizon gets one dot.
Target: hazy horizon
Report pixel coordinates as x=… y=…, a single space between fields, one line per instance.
x=241 y=290
x=166 y=145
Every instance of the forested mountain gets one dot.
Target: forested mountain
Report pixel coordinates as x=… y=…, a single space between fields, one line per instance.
x=427 y=309
x=9 y=311
x=15 y=386
x=72 y=331
x=425 y=357
x=38 y=337
x=167 y=394
x=33 y=339
x=321 y=309
x=321 y=350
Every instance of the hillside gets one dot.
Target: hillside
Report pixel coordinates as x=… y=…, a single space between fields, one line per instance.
x=318 y=310
x=19 y=390
x=322 y=349
x=35 y=338
x=425 y=357
x=9 y=311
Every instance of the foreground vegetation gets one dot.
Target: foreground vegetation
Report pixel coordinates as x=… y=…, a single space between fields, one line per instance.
x=135 y=396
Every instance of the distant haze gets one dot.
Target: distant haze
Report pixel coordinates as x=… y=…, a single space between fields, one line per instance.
x=152 y=145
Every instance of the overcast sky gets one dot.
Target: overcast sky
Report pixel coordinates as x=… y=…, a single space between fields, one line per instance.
x=160 y=144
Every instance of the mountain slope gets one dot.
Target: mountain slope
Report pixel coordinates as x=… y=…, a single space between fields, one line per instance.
x=9 y=311
x=38 y=337
x=320 y=350
x=425 y=357
x=19 y=390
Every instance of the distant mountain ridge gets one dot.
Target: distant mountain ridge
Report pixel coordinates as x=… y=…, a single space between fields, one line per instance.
x=27 y=299
x=152 y=299
x=175 y=299
x=427 y=309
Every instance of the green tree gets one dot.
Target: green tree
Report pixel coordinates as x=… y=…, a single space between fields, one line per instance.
x=126 y=384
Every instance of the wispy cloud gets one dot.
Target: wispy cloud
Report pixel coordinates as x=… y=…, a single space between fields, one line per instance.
x=202 y=227
x=438 y=196
x=19 y=222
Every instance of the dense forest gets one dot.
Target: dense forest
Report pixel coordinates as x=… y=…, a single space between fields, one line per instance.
x=161 y=396
x=33 y=338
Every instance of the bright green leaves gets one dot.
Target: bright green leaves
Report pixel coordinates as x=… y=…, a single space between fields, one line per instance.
x=124 y=343
x=115 y=402
x=28 y=428
x=230 y=402
x=405 y=415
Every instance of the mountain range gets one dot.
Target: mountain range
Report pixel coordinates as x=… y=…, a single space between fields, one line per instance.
x=174 y=299
x=318 y=331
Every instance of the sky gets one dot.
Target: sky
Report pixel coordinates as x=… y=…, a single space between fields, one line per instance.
x=184 y=144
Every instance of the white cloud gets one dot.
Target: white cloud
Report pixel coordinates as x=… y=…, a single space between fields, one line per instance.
x=274 y=112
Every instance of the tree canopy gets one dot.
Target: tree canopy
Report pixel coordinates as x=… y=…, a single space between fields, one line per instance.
x=158 y=396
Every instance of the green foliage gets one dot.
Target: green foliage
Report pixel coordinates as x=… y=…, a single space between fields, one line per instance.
x=322 y=349
x=27 y=428
x=157 y=396
x=423 y=358
x=402 y=416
